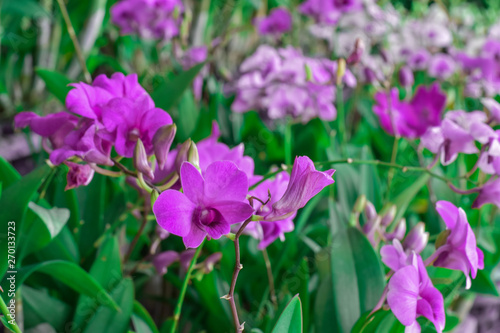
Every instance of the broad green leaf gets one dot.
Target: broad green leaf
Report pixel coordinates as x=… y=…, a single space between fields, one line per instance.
x=370 y=182
x=107 y=271
x=40 y=307
x=142 y=320
x=45 y=226
x=56 y=83
x=290 y=320
x=483 y=284
x=8 y=175
x=16 y=197
x=403 y=200
x=168 y=94
x=106 y=319
x=29 y=8
x=352 y=281
x=71 y=275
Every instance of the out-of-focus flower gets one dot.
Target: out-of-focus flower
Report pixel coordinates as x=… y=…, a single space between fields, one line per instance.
x=489 y=193
x=406 y=78
x=417 y=239
x=163 y=260
x=419 y=60
x=305 y=183
x=278 y=22
x=457 y=134
x=412 y=119
x=151 y=19
x=192 y=57
x=441 y=66
x=78 y=175
x=329 y=11
x=493 y=107
x=209 y=204
x=411 y=295
x=460 y=251
x=283 y=82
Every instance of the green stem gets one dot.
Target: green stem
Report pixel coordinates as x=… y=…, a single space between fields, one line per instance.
x=288 y=142
x=341 y=119
x=393 y=161
x=187 y=278
x=6 y=313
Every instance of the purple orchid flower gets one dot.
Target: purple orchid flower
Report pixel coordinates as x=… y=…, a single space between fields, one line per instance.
x=194 y=56
x=305 y=183
x=268 y=232
x=55 y=127
x=411 y=295
x=278 y=22
x=78 y=175
x=163 y=260
x=442 y=66
x=460 y=251
x=492 y=106
x=209 y=204
x=151 y=19
x=412 y=119
x=489 y=193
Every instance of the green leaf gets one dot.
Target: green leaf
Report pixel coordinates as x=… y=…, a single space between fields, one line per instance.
x=352 y=281
x=107 y=320
x=107 y=271
x=290 y=320
x=40 y=307
x=142 y=320
x=16 y=197
x=44 y=226
x=8 y=175
x=71 y=275
x=402 y=201
x=56 y=83
x=29 y=8
x=168 y=94
x=483 y=284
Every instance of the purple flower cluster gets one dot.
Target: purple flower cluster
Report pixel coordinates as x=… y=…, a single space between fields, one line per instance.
x=410 y=119
x=278 y=22
x=150 y=19
x=112 y=112
x=283 y=82
x=329 y=11
x=410 y=292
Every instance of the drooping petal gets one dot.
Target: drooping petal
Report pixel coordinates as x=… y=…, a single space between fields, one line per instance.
x=449 y=213
x=403 y=294
x=194 y=238
x=174 y=213
x=233 y=211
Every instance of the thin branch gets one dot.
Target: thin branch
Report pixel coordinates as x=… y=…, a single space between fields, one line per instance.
x=270 y=277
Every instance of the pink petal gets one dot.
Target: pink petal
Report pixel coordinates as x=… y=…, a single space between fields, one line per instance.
x=192 y=182
x=225 y=182
x=234 y=211
x=448 y=212
x=174 y=212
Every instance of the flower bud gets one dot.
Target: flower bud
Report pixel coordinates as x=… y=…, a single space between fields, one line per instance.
x=388 y=217
x=417 y=238
x=78 y=175
x=399 y=232
x=360 y=204
x=163 y=260
x=193 y=157
x=357 y=53
x=341 y=68
x=406 y=78
x=182 y=155
x=370 y=211
x=162 y=140
x=209 y=263
x=141 y=163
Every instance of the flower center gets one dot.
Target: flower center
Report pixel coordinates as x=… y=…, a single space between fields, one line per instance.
x=209 y=215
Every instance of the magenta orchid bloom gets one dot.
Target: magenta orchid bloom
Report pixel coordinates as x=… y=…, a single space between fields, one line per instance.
x=411 y=295
x=209 y=204
x=278 y=22
x=460 y=251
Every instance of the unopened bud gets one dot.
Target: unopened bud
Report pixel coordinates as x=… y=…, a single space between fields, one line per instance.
x=399 y=232
x=193 y=156
x=417 y=238
x=182 y=155
x=162 y=140
x=357 y=53
x=309 y=74
x=141 y=163
x=341 y=68
x=370 y=211
x=406 y=78
x=360 y=204
x=442 y=238
x=388 y=217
